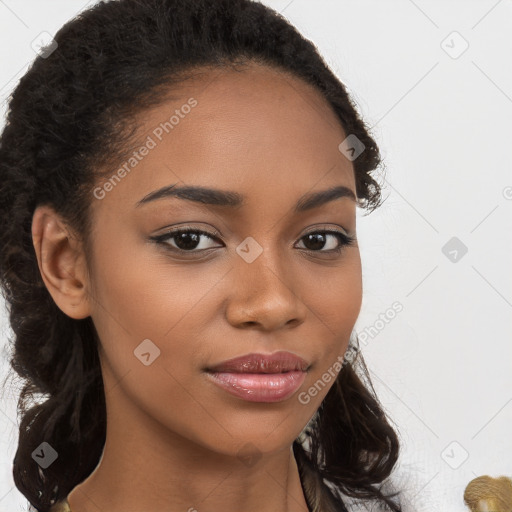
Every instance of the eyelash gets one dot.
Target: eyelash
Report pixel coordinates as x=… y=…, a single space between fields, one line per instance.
x=344 y=240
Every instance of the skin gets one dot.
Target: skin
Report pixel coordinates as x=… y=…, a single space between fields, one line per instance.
x=174 y=438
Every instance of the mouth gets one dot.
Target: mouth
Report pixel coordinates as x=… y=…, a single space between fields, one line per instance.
x=260 y=377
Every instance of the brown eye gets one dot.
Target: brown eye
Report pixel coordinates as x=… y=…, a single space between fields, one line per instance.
x=318 y=240
x=186 y=239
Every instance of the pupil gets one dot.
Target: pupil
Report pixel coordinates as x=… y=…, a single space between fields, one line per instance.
x=182 y=237
x=315 y=237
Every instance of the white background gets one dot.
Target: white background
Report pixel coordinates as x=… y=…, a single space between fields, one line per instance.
x=442 y=366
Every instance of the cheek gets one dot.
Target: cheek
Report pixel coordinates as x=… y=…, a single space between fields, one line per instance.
x=143 y=297
x=334 y=296
x=142 y=294
x=335 y=304
x=139 y=299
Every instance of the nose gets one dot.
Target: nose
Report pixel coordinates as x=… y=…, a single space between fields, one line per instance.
x=265 y=295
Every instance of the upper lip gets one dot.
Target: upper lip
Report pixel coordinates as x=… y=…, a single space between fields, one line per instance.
x=279 y=362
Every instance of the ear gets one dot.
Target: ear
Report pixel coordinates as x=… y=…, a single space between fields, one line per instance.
x=61 y=262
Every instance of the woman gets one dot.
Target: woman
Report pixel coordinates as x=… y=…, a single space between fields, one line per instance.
x=179 y=191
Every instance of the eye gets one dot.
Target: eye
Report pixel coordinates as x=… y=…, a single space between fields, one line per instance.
x=187 y=239
x=318 y=239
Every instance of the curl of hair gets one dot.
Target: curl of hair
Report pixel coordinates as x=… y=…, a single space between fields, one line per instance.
x=349 y=443
x=70 y=119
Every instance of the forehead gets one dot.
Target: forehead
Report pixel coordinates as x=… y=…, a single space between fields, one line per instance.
x=254 y=130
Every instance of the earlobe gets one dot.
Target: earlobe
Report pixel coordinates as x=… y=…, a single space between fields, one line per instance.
x=61 y=262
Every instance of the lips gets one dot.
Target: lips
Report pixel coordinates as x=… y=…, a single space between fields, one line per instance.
x=279 y=362
x=260 y=377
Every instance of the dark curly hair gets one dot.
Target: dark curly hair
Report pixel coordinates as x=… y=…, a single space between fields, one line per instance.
x=72 y=116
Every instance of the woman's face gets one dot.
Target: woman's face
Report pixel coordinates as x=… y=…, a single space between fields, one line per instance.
x=166 y=311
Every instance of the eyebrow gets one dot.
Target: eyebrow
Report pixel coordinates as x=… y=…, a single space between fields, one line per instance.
x=231 y=199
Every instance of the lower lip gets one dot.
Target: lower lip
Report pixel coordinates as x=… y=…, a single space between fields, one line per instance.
x=259 y=387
